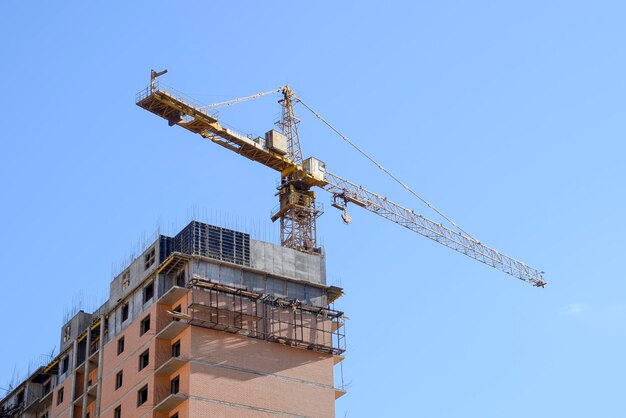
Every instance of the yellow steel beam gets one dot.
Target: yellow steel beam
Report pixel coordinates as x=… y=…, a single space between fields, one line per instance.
x=171 y=108
x=51 y=365
x=96 y=324
x=168 y=261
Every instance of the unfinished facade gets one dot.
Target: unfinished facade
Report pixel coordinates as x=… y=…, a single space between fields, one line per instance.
x=206 y=323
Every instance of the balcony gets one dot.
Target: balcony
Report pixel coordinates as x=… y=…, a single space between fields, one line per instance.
x=91 y=395
x=170 y=402
x=172 y=295
x=31 y=400
x=171 y=365
x=94 y=357
x=80 y=368
x=92 y=390
x=172 y=329
x=46 y=398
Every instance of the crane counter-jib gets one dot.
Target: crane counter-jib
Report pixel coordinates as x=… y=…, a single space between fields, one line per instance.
x=178 y=112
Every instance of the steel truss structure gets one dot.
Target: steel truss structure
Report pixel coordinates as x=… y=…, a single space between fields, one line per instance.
x=350 y=192
x=252 y=314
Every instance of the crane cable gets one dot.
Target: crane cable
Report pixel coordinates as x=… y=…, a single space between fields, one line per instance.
x=384 y=169
x=242 y=99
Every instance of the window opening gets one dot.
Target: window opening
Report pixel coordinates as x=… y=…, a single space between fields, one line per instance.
x=126 y=280
x=180 y=279
x=178 y=309
x=142 y=396
x=124 y=311
x=144 y=326
x=175 y=385
x=149 y=258
x=148 y=292
x=144 y=359
x=119 y=379
x=176 y=349
x=66 y=333
x=65 y=364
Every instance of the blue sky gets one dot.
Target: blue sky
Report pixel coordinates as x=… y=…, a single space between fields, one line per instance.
x=508 y=116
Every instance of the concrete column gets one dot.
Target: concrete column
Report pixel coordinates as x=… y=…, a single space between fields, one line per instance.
x=74 y=365
x=100 y=359
x=87 y=367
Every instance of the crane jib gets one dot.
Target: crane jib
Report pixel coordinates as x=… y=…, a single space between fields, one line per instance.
x=432 y=230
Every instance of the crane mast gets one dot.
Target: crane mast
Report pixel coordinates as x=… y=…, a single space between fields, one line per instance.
x=297 y=209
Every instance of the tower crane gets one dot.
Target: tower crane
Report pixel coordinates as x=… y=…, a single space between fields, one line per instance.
x=297 y=209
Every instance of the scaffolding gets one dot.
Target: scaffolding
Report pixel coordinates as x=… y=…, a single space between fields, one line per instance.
x=263 y=316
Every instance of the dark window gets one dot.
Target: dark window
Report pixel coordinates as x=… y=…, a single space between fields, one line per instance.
x=20 y=398
x=119 y=378
x=176 y=349
x=126 y=280
x=175 y=415
x=46 y=388
x=178 y=309
x=45 y=415
x=125 y=312
x=65 y=365
x=87 y=415
x=59 y=396
x=175 y=385
x=117 y=413
x=144 y=359
x=180 y=279
x=148 y=292
x=149 y=258
x=142 y=395
x=120 y=346
x=145 y=325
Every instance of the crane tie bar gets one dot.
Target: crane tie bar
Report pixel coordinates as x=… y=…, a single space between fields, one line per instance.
x=396 y=179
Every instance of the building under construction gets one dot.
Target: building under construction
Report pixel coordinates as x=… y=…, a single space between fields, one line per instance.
x=212 y=323
x=206 y=323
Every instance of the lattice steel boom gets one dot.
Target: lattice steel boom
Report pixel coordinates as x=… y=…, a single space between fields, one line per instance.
x=297 y=209
x=350 y=192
